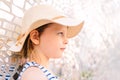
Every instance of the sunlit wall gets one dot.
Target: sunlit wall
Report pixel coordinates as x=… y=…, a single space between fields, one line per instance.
x=92 y=55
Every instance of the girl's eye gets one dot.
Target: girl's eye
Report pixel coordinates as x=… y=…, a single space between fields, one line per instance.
x=61 y=33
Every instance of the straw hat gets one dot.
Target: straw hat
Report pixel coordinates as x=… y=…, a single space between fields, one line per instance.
x=41 y=15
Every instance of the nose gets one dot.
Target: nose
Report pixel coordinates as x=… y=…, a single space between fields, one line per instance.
x=65 y=40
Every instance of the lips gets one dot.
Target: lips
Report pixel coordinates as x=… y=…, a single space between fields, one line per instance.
x=62 y=49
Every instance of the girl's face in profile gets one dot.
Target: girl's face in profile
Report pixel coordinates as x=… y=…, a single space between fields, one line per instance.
x=53 y=40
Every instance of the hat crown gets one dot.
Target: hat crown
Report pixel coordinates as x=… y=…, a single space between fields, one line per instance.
x=36 y=13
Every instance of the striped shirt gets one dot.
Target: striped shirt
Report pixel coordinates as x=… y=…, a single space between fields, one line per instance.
x=49 y=75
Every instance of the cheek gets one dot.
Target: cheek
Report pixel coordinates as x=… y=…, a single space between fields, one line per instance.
x=51 y=47
x=55 y=49
x=54 y=45
x=53 y=42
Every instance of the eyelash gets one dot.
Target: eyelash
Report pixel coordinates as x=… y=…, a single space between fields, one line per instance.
x=61 y=33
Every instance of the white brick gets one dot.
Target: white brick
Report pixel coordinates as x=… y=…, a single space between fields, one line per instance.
x=6 y=15
x=4 y=6
x=2 y=32
x=19 y=3
x=8 y=26
x=17 y=11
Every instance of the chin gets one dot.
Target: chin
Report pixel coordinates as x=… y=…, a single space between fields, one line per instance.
x=58 y=56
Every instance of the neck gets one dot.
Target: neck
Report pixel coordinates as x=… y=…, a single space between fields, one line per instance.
x=39 y=58
x=44 y=61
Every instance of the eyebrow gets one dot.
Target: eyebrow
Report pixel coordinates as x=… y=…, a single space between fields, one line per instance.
x=67 y=27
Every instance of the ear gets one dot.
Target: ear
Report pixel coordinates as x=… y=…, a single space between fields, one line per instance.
x=34 y=36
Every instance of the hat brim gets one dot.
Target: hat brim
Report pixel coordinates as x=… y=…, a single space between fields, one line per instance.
x=74 y=27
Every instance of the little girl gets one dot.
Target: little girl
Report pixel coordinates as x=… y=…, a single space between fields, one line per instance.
x=45 y=33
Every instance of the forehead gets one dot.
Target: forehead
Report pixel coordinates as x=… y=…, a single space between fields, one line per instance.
x=55 y=27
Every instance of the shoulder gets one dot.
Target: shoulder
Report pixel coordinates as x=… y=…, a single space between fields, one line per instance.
x=33 y=73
